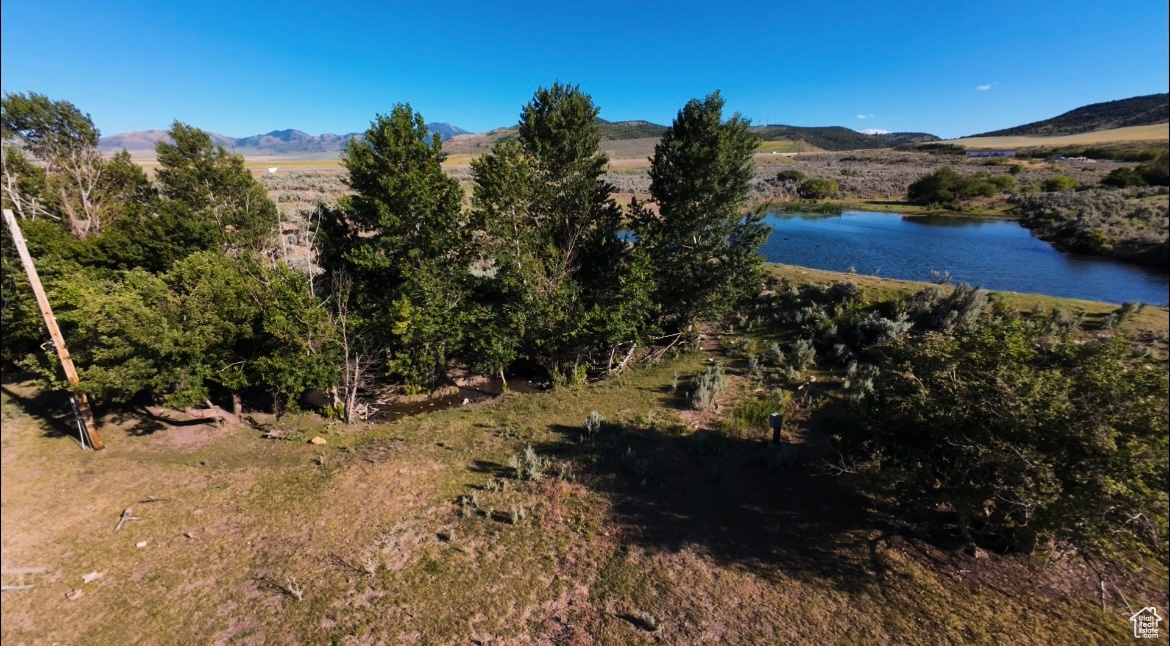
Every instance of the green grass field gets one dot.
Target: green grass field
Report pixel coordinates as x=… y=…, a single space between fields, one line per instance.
x=782 y=147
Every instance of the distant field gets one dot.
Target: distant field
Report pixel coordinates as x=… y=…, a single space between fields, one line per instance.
x=639 y=149
x=1157 y=132
x=460 y=159
x=782 y=147
x=299 y=164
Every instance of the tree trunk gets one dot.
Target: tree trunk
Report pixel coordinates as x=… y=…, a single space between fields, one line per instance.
x=351 y=393
x=213 y=409
x=964 y=527
x=503 y=382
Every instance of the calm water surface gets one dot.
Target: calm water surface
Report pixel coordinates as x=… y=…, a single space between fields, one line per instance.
x=995 y=254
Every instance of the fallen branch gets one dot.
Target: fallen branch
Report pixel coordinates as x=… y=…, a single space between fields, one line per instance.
x=654 y=356
x=127 y=514
x=15 y=588
x=629 y=355
x=209 y=414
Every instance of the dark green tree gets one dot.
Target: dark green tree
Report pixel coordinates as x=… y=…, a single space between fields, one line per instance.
x=945 y=187
x=818 y=188
x=402 y=240
x=702 y=250
x=209 y=198
x=507 y=272
x=1123 y=177
x=299 y=348
x=1058 y=183
x=1156 y=172
x=552 y=266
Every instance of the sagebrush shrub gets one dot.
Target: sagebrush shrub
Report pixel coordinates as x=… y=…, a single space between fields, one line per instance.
x=593 y=424
x=707 y=387
x=802 y=353
x=529 y=466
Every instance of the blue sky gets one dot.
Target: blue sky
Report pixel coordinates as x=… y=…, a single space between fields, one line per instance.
x=241 y=68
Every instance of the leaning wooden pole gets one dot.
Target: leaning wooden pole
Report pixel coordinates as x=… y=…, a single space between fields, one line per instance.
x=79 y=398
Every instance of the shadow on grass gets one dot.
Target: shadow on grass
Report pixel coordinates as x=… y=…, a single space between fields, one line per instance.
x=51 y=407
x=148 y=423
x=775 y=510
x=56 y=411
x=490 y=468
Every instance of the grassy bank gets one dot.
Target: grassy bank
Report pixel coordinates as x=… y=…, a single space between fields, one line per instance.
x=1003 y=211
x=1150 y=318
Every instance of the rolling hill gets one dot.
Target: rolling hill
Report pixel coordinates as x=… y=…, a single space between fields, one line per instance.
x=646 y=135
x=610 y=131
x=621 y=130
x=277 y=142
x=142 y=140
x=841 y=138
x=1146 y=110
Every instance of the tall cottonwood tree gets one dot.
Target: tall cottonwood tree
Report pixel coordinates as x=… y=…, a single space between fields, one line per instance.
x=402 y=242
x=703 y=250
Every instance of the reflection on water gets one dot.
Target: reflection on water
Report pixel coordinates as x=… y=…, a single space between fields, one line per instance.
x=995 y=254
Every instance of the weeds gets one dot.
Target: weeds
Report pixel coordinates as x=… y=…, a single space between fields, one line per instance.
x=707 y=387
x=529 y=466
x=775 y=355
x=292 y=588
x=802 y=353
x=565 y=473
x=750 y=416
x=370 y=563
x=594 y=423
x=859 y=379
x=753 y=364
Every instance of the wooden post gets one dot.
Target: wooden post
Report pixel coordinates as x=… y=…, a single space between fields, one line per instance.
x=82 y=403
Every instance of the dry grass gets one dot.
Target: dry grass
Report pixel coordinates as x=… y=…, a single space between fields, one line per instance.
x=404 y=533
x=461 y=160
x=1158 y=132
x=282 y=164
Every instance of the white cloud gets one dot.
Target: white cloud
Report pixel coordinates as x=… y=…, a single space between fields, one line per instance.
x=865 y=116
x=875 y=131
x=984 y=88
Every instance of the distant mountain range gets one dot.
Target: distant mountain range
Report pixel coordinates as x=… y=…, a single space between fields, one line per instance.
x=277 y=142
x=458 y=140
x=1148 y=110
x=1137 y=111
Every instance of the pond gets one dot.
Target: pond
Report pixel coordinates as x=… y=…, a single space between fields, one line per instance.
x=995 y=254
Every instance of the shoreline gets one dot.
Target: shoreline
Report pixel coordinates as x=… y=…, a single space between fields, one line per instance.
x=881 y=206
x=1155 y=316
